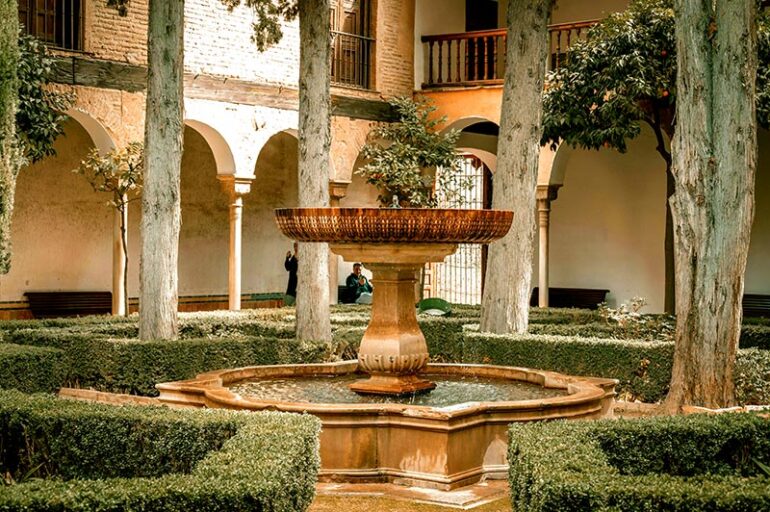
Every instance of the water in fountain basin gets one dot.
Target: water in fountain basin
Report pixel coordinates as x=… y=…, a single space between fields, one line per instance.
x=450 y=390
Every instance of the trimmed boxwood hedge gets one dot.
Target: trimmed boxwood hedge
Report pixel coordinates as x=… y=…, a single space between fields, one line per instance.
x=703 y=463
x=79 y=456
x=102 y=354
x=31 y=369
x=642 y=367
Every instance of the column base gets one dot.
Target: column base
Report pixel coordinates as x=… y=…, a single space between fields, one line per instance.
x=397 y=385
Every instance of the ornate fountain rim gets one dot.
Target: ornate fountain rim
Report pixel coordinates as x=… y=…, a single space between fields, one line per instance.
x=385 y=225
x=584 y=394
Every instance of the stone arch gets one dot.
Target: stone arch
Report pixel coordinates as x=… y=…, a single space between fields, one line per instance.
x=223 y=155
x=58 y=219
x=275 y=185
x=98 y=133
x=478 y=137
x=360 y=194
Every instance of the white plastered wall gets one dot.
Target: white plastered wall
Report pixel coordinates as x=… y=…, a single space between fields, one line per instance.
x=61 y=229
x=758 y=265
x=608 y=223
x=434 y=17
x=275 y=186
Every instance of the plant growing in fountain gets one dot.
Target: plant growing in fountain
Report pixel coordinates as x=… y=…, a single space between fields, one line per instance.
x=118 y=172
x=410 y=160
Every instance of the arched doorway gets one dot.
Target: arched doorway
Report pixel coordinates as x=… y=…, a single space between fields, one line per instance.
x=460 y=278
x=275 y=186
x=61 y=229
x=204 y=233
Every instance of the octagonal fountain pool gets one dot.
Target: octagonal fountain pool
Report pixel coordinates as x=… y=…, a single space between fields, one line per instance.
x=453 y=438
x=431 y=425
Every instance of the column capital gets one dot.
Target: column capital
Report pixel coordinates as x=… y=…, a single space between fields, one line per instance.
x=547 y=192
x=337 y=190
x=235 y=186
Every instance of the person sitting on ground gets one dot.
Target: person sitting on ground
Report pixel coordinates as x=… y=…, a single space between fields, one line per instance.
x=358 y=287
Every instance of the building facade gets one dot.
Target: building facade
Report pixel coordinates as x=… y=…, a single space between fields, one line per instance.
x=605 y=230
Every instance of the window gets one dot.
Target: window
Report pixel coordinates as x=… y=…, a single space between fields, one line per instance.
x=57 y=23
x=352 y=43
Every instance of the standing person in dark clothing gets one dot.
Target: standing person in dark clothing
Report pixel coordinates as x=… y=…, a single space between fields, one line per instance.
x=291 y=267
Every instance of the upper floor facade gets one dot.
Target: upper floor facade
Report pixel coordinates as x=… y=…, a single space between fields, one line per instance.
x=379 y=47
x=370 y=54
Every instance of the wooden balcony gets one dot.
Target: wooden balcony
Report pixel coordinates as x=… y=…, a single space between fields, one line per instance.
x=471 y=59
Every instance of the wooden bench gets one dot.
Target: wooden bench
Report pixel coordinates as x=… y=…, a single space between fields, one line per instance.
x=756 y=305
x=584 y=298
x=57 y=304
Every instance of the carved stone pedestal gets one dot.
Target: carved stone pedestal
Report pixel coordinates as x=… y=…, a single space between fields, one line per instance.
x=393 y=349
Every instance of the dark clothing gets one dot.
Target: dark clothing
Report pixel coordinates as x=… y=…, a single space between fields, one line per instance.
x=291 y=265
x=355 y=289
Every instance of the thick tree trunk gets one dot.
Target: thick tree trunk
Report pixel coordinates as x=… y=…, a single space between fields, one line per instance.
x=163 y=157
x=314 y=165
x=9 y=97
x=505 y=304
x=715 y=156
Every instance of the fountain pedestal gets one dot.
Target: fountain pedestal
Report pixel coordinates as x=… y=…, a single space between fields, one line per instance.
x=393 y=348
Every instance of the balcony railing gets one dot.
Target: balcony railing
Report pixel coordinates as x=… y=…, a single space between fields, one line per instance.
x=58 y=23
x=478 y=58
x=351 y=59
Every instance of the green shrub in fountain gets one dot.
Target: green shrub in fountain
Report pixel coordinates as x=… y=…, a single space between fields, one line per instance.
x=66 y=456
x=703 y=463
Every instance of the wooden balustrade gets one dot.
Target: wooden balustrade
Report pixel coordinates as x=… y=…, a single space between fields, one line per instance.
x=478 y=58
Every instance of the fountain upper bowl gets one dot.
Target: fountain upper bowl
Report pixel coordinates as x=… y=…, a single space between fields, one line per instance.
x=387 y=225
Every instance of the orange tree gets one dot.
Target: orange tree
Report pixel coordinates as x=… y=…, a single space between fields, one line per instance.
x=623 y=76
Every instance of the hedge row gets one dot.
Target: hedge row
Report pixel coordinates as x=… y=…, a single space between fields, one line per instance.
x=95 y=457
x=31 y=369
x=704 y=463
x=643 y=368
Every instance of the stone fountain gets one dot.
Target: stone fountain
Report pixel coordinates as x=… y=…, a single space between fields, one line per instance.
x=439 y=446
x=394 y=243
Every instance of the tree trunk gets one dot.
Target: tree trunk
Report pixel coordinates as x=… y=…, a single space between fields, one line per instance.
x=10 y=159
x=715 y=157
x=163 y=157
x=669 y=297
x=124 y=245
x=505 y=304
x=314 y=144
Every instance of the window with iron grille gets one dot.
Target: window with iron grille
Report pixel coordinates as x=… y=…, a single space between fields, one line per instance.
x=459 y=279
x=352 y=43
x=58 y=23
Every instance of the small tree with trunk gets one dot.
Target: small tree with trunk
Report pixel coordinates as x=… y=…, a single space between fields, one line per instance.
x=623 y=76
x=714 y=162
x=505 y=303
x=118 y=173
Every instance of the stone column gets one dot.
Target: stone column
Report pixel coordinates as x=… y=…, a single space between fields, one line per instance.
x=545 y=194
x=235 y=188
x=337 y=190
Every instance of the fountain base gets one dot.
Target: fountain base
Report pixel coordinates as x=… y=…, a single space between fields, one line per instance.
x=398 y=385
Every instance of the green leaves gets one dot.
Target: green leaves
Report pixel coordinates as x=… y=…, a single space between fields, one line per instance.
x=119 y=173
x=40 y=115
x=268 y=15
x=403 y=156
x=625 y=74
